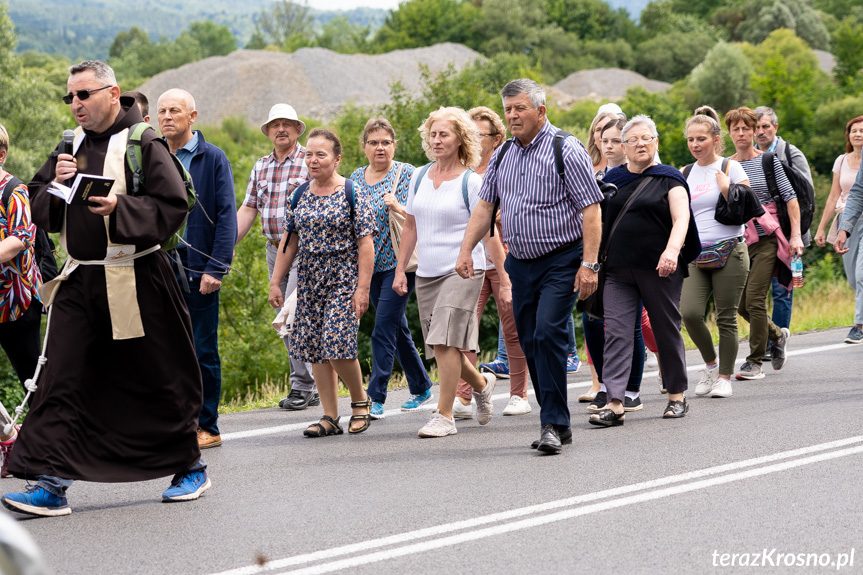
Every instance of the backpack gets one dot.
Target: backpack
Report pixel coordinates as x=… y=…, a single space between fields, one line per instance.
x=559 y=137
x=298 y=193
x=804 y=190
x=134 y=158
x=44 y=246
x=464 y=195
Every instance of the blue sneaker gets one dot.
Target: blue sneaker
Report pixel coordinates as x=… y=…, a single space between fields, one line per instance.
x=188 y=487
x=37 y=501
x=414 y=402
x=377 y=411
x=573 y=363
x=497 y=367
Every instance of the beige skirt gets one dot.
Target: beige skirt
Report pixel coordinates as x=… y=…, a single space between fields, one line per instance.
x=447 y=308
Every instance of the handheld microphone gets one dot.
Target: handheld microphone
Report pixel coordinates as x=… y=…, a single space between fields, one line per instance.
x=67 y=147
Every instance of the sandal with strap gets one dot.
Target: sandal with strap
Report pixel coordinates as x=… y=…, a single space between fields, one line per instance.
x=607 y=418
x=321 y=430
x=366 y=417
x=675 y=409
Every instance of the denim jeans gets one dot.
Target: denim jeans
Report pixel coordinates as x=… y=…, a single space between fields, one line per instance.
x=392 y=337
x=571 y=348
x=501 y=346
x=58 y=485
x=204 y=310
x=783 y=299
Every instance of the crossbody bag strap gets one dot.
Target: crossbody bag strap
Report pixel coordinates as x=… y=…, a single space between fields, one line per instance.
x=622 y=212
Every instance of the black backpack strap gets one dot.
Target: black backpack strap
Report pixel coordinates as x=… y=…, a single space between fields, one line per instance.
x=11 y=184
x=687 y=170
x=770 y=175
x=558 y=152
x=295 y=199
x=497 y=162
x=349 y=195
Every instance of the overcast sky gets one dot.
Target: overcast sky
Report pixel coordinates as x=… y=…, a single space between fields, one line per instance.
x=348 y=4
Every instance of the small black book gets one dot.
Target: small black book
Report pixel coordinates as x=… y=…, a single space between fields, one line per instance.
x=85 y=185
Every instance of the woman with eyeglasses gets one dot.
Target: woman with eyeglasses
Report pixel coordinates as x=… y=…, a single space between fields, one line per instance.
x=649 y=237
x=386 y=182
x=492 y=134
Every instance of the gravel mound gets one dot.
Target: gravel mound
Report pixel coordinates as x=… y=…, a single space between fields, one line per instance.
x=317 y=82
x=606 y=84
x=826 y=61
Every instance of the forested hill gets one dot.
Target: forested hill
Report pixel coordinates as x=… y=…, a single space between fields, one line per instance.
x=81 y=29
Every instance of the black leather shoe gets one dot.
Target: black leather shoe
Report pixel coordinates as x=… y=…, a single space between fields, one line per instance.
x=298 y=400
x=549 y=441
x=598 y=402
x=564 y=434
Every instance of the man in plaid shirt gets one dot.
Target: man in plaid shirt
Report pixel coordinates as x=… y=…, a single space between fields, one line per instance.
x=272 y=184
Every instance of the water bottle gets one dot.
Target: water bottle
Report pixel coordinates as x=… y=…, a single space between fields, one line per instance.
x=796 y=271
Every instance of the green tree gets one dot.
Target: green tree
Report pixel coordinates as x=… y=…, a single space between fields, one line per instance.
x=765 y=16
x=661 y=17
x=672 y=56
x=417 y=23
x=287 y=25
x=592 y=19
x=848 y=49
x=828 y=137
x=723 y=77
x=126 y=38
x=788 y=79
x=214 y=40
x=341 y=36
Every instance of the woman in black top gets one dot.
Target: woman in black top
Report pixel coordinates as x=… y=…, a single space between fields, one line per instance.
x=648 y=252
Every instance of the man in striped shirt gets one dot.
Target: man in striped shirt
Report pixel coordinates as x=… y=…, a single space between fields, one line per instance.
x=549 y=220
x=272 y=184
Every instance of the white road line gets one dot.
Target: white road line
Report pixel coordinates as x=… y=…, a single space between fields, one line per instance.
x=497 y=397
x=448 y=528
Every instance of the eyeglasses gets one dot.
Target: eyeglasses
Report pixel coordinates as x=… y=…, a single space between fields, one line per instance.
x=376 y=143
x=614 y=141
x=489 y=134
x=82 y=94
x=646 y=140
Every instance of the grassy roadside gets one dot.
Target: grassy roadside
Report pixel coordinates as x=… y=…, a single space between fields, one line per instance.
x=820 y=304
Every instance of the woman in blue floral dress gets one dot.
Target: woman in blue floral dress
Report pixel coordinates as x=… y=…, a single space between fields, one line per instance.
x=336 y=254
x=386 y=182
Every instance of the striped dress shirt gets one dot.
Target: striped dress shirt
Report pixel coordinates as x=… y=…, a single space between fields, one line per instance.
x=540 y=211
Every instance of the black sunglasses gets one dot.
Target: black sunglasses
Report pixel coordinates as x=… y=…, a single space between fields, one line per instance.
x=82 y=94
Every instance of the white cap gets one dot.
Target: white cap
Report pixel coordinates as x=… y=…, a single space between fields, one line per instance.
x=610 y=108
x=283 y=112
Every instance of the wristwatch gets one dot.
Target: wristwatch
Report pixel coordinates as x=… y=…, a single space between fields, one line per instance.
x=592 y=266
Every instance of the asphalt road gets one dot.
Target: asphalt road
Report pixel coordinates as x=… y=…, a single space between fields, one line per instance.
x=772 y=475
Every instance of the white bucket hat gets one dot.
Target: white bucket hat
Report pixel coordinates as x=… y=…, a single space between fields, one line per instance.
x=283 y=112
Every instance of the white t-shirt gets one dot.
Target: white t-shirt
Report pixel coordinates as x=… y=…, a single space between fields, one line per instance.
x=704 y=192
x=441 y=219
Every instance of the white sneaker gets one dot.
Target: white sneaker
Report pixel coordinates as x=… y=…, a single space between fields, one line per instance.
x=708 y=379
x=721 y=388
x=462 y=411
x=517 y=406
x=484 y=406
x=650 y=360
x=438 y=426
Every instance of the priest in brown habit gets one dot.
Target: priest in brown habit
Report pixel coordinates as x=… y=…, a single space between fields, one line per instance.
x=119 y=396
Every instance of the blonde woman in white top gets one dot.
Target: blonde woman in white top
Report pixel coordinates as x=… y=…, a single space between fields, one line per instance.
x=440 y=200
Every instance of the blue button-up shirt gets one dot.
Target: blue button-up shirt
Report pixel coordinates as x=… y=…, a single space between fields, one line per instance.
x=540 y=211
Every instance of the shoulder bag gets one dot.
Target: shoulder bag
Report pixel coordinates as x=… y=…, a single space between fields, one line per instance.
x=593 y=304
